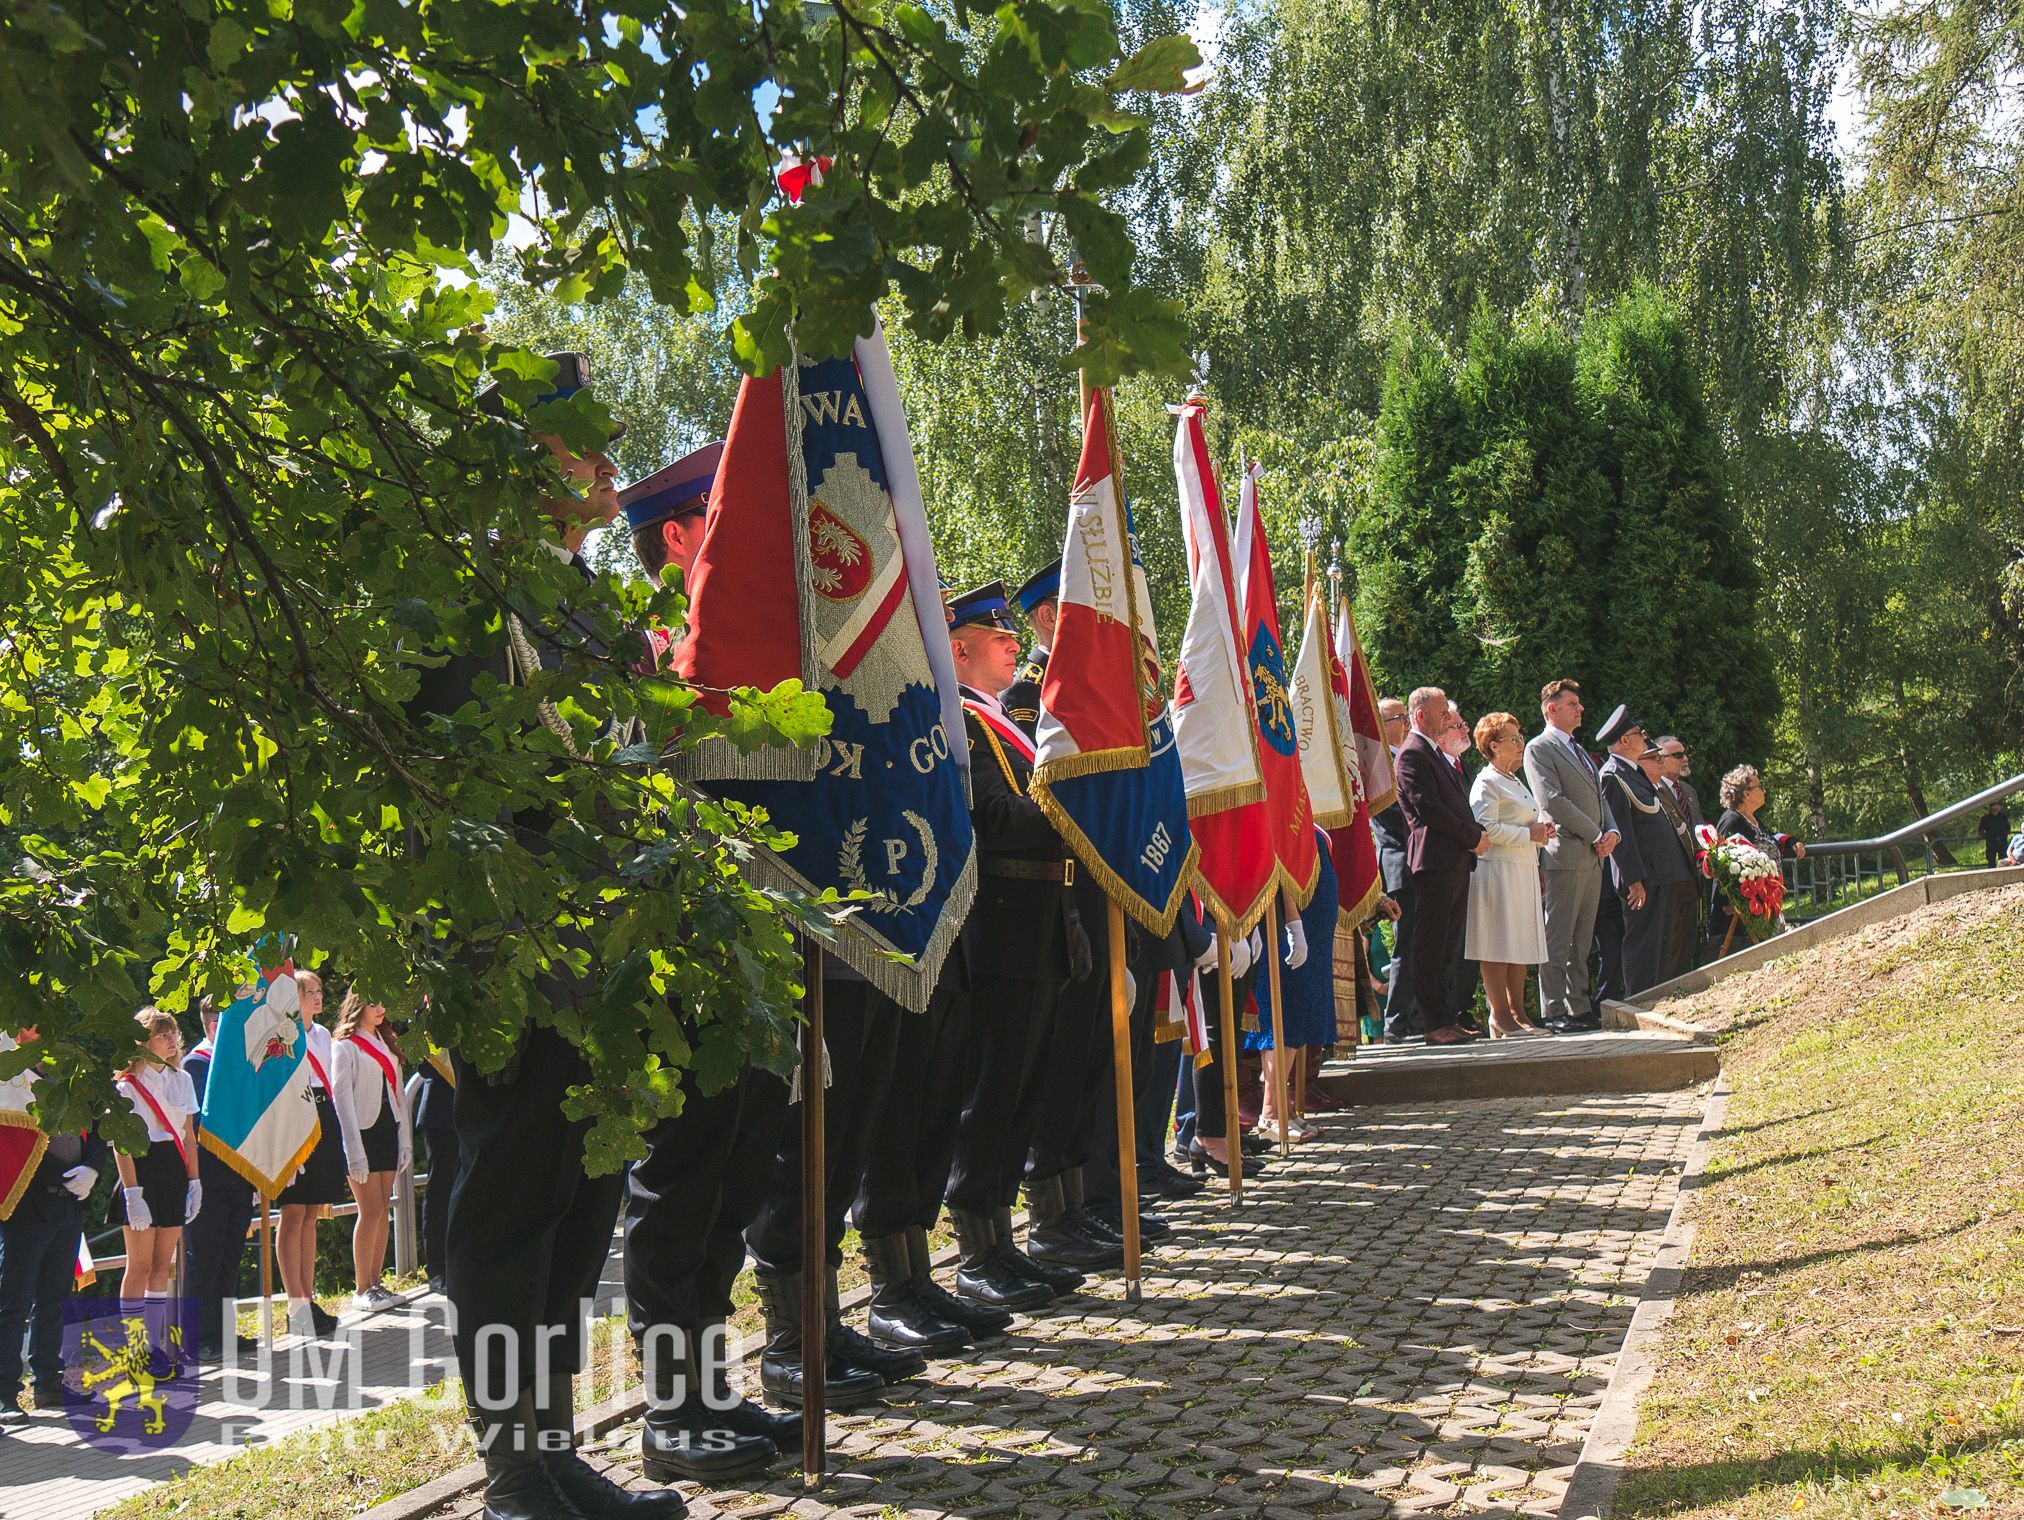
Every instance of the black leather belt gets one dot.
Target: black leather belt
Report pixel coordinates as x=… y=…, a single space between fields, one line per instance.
x=1060 y=873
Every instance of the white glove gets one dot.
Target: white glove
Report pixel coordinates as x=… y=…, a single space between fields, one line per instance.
x=138 y=1217
x=193 y=1200
x=1130 y=989
x=1296 y=944
x=1257 y=946
x=1206 y=961
x=80 y=1180
x=404 y=1158
x=1240 y=957
x=355 y=1168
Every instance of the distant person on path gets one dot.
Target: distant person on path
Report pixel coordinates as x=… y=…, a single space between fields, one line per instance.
x=1507 y=925
x=1995 y=831
x=1567 y=785
x=1443 y=843
x=1742 y=795
x=214 y=1244
x=38 y=1254
x=379 y=1137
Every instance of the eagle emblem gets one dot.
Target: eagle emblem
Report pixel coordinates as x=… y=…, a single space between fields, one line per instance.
x=839 y=561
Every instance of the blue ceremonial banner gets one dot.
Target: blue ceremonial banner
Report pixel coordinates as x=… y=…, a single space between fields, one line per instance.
x=258 y=1116
x=841 y=583
x=1106 y=770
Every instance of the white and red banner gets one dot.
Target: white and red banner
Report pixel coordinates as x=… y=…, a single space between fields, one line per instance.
x=1106 y=772
x=1290 y=812
x=1215 y=729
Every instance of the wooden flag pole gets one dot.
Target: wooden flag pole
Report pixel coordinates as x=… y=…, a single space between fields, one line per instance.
x=1278 y=1022
x=1233 y=1136
x=1127 y=1124
x=814 y=1259
x=266 y=1276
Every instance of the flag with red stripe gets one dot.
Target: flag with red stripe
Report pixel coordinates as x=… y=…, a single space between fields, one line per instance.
x=1105 y=771
x=1215 y=730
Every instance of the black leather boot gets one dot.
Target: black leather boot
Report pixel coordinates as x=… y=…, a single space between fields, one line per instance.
x=980 y=1320
x=740 y=1413
x=518 y=1484
x=780 y=1363
x=851 y=1347
x=589 y=1492
x=1055 y=1238
x=898 y=1316
x=1090 y=1220
x=982 y=1277
x=1060 y=1279
x=684 y=1437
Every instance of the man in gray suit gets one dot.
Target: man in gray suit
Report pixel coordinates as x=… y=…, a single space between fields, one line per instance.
x=1568 y=788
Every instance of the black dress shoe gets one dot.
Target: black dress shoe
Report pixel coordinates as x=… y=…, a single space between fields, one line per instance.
x=322 y=1320
x=897 y=1316
x=750 y=1419
x=526 y=1490
x=1057 y=1279
x=981 y=1321
x=1167 y=1182
x=1258 y=1144
x=1202 y=1161
x=595 y=1497
x=852 y=1348
x=1110 y=1214
x=694 y=1443
x=780 y=1362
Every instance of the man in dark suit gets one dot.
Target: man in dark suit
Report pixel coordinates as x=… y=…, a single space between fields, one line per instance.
x=214 y=1243
x=1401 y=1020
x=1648 y=869
x=1443 y=843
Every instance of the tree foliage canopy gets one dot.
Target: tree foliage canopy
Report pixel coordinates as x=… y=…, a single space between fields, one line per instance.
x=250 y=499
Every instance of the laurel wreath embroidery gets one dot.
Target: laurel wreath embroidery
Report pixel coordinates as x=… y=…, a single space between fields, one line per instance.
x=850 y=865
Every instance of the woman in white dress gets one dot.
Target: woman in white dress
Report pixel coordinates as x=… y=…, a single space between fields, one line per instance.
x=1507 y=925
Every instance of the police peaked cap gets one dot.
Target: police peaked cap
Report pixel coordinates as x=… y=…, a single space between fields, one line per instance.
x=984 y=607
x=1042 y=585
x=1615 y=726
x=572 y=374
x=681 y=489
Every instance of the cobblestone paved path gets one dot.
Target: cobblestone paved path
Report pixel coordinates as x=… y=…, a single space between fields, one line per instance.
x=1418 y=1315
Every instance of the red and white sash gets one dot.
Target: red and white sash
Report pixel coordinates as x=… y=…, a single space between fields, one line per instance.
x=1007 y=731
x=161 y=1115
x=380 y=1058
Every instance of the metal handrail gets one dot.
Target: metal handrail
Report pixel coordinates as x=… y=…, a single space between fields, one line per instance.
x=1913 y=833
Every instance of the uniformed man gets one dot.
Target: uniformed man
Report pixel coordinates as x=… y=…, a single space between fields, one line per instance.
x=1648 y=869
x=690 y=1199
x=214 y=1243
x=1039 y=599
x=1680 y=901
x=529 y=1229
x=1023 y=944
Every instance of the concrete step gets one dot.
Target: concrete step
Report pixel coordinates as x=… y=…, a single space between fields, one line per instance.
x=1607 y=1062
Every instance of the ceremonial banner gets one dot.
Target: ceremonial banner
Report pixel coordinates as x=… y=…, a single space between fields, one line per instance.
x=815 y=563
x=1105 y=769
x=1286 y=801
x=21 y=1143
x=259 y=1118
x=1331 y=759
x=1215 y=730
x=1180 y=1013
x=1373 y=755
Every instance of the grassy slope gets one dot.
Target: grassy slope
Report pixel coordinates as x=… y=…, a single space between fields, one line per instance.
x=1850 y=1336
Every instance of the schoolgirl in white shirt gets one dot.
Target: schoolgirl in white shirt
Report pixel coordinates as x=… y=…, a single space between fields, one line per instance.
x=378 y=1135
x=159 y=1192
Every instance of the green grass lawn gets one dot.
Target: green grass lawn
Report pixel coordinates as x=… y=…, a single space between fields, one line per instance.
x=1850 y=1336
